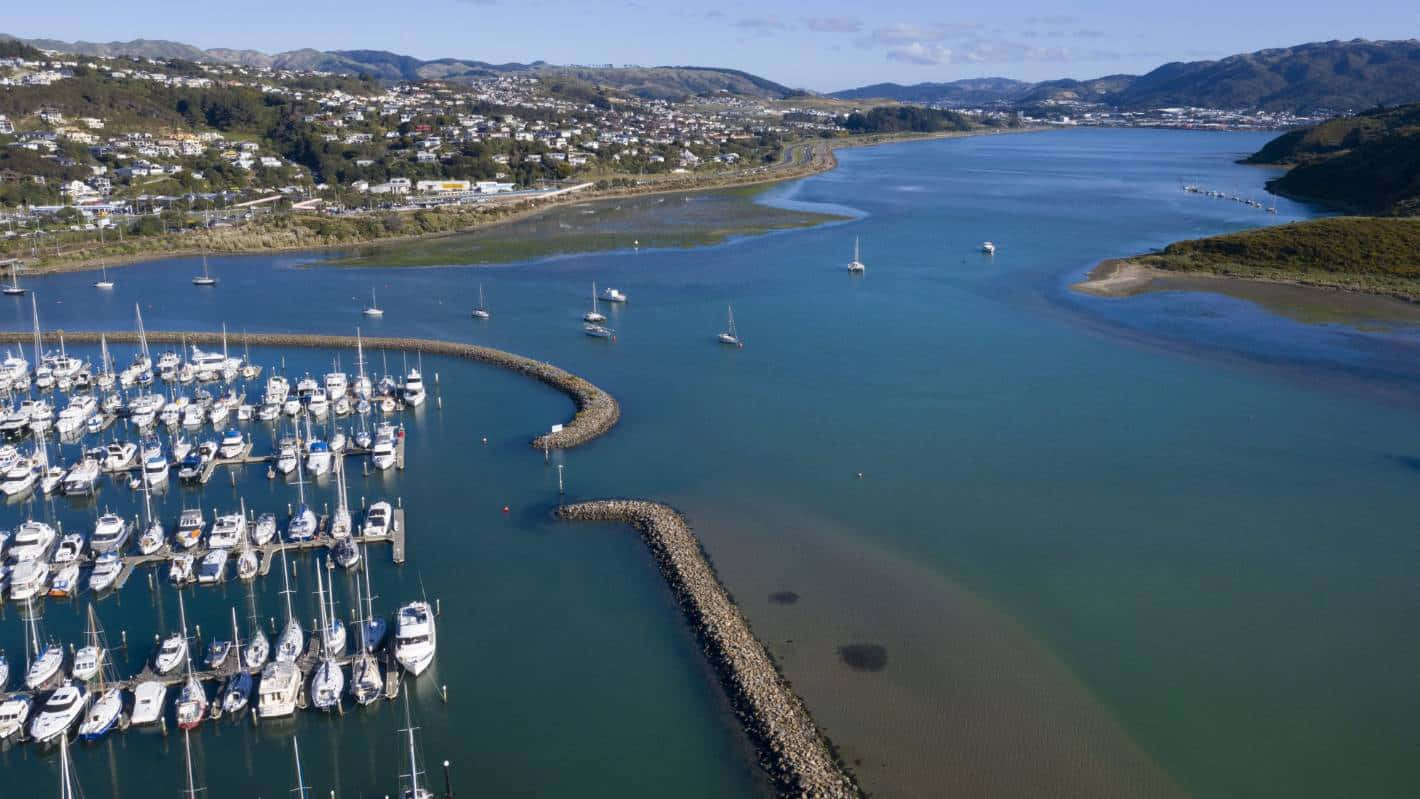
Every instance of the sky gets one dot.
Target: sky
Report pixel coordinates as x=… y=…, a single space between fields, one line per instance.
x=823 y=46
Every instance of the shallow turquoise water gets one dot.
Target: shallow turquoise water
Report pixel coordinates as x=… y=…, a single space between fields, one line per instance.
x=1202 y=509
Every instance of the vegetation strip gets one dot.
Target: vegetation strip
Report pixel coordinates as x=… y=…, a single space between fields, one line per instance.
x=792 y=749
x=597 y=411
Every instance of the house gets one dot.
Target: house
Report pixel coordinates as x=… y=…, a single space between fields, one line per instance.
x=434 y=186
x=6 y=126
x=270 y=162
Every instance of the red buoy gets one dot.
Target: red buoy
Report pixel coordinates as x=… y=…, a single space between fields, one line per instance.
x=505 y=508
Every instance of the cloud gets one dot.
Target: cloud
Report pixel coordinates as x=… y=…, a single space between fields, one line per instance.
x=714 y=13
x=920 y=53
x=1089 y=33
x=1056 y=20
x=906 y=33
x=833 y=24
x=761 y=26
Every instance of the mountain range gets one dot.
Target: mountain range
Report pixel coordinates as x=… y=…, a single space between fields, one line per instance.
x=1318 y=77
x=1308 y=78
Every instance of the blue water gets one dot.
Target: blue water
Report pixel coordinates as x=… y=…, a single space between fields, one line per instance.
x=1199 y=509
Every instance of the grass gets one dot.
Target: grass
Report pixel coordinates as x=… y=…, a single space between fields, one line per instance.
x=1376 y=255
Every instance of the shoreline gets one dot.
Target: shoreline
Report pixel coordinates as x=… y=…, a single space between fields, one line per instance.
x=597 y=411
x=817 y=157
x=793 y=750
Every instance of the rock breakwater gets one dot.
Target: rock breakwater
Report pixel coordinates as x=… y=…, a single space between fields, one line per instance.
x=597 y=411
x=791 y=747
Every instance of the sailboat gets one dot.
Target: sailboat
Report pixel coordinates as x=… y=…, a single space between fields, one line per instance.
x=192 y=700
x=204 y=279
x=376 y=627
x=593 y=316
x=856 y=265
x=293 y=638
x=329 y=681
x=731 y=336
x=481 y=310
x=104 y=283
x=414 y=791
x=13 y=289
x=238 y=691
x=374 y=309
x=366 y=682
x=103 y=716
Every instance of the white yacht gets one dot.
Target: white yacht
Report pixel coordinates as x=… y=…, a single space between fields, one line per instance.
x=480 y=311
x=383 y=454
x=856 y=265
x=374 y=310
x=171 y=654
x=612 y=295
x=149 y=699
x=264 y=530
x=182 y=570
x=598 y=331
x=103 y=716
x=276 y=694
x=415 y=637
x=28 y=579
x=58 y=714
x=319 y=403
x=213 y=567
x=87 y=662
x=292 y=641
x=413 y=392
x=226 y=532
x=71 y=548
x=377 y=520
x=19 y=478
x=106 y=570
x=192 y=416
x=731 y=336
x=33 y=541
x=44 y=668
x=988 y=248
x=111 y=532
x=232 y=444
x=336 y=385
x=318 y=460
x=14 y=716
x=119 y=455
x=82 y=478
x=278 y=388
x=190 y=526
x=75 y=415
x=287 y=457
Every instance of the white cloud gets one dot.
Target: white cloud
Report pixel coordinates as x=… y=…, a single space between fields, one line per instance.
x=833 y=24
x=761 y=26
x=920 y=53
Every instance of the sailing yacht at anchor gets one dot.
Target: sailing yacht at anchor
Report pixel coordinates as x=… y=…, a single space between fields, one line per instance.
x=204 y=279
x=731 y=336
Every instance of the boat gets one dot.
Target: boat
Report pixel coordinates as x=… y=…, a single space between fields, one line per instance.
x=103 y=715
x=33 y=541
x=278 y=388
x=293 y=639
x=103 y=283
x=14 y=289
x=480 y=311
x=612 y=295
x=190 y=526
x=413 y=391
x=383 y=454
x=92 y=662
x=264 y=530
x=5 y=672
x=227 y=531
x=599 y=331
x=155 y=471
x=82 y=478
x=191 y=704
x=111 y=532
x=856 y=265
x=58 y=714
x=367 y=683
x=731 y=336
x=414 y=791
x=119 y=455
x=346 y=553
x=213 y=567
x=204 y=279
x=106 y=570
x=14 y=716
x=47 y=664
x=237 y=692
x=415 y=640
x=149 y=698
x=377 y=520
x=71 y=548
x=318 y=403
x=988 y=248
x=248 y=565
x=28 y=579
x=90 y=659
x=288 y=456
x=20 y=478
x=153 y=538
x=278 y=689
x=182 y=569
x=328 y=683
x=319 y=458
x=336 y=385
x=375 y=628
x=374 y=310
x=65 y=582
x=171 y=654
x=257 y=651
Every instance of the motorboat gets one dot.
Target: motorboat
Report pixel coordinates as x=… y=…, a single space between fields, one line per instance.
x=87 y=662
x=106 y=570
x=213 y=567
x=190 y=468
x=287 y=457
x=119 y=455
x=226 y=532
x=264 y=530
x=291 y=407
x=58 y=714
x=413 y=391
x=415 y=640
x=75 y=415
x=4 y=673
x=44 y=668
x=336 y=384
x=217 y=652
x=277 y=389
x=318 y=459
x=190 y=526
x=111 y=532
x=19 y=478
x=278 y=689
x=172 y=653
x=337 y=442
x=28 y=579
x=232 y=444
x=612 y=295
x=70 y=550
x=856 y=265
x=268 y=412
x=33 y=541
x=171 y=414
x=181 y=447
x=988 y=248
x=155 y=471
x=244 y=412
x=14 y=716
x=193 y=416
x=218 y=413
x=377 y=520
x=191 y=704
x=149 y=699
x=598 y=331
x=382 y=455
x=103 y=715
x=182 y=570
x=65 y=582
x=82 y=478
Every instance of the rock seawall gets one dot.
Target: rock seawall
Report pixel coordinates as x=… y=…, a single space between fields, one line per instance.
x=791 y=748
x=597 y=411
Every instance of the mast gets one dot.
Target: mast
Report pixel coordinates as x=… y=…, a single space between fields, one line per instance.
x=39 y=344
x=324 y=622
x=359 y=353
x=236 y=637
x=187 y=748
x=369 y=598
x=182 y=618
x=142 y=336
x=286 y=578
x=300 y=779
x=67 y=788
x=413 y=764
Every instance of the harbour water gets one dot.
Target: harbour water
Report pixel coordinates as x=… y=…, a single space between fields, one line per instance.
x=1112 y=547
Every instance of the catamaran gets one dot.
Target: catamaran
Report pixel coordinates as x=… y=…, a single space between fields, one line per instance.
x=204 y=279
x=731 y=336
x=856 y=265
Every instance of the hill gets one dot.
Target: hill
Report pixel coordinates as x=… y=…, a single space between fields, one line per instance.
x=1373 y=255
x=1305 y=79
x=1368 y=163
x=668 y=83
